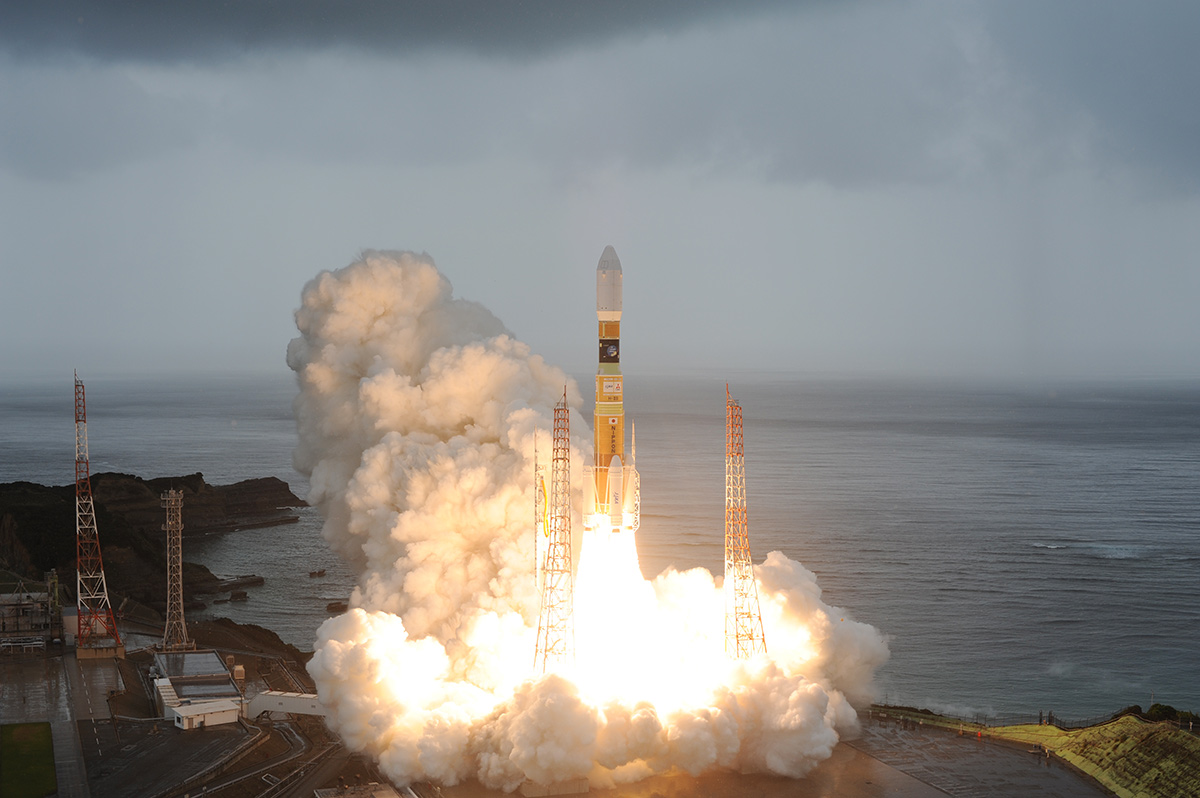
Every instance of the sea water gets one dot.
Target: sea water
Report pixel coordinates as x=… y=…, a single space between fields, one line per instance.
x=1024 y=548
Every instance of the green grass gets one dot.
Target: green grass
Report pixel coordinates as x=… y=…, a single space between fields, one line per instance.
x=27 y=761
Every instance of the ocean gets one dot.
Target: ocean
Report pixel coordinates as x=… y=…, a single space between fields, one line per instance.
x=1024 y=548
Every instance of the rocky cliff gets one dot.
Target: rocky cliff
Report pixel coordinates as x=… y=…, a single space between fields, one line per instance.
x=37 y=526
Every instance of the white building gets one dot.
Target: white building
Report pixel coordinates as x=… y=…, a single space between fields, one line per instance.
x=205 y=713
x=195 y=689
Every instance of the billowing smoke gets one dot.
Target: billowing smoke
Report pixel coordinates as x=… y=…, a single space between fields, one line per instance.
x=417 y=419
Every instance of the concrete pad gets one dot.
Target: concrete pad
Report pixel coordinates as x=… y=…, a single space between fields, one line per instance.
x=92 y=682
x=150 y=757
x=848 y=773
x=886 y=761
x=970 y=766
x=33 y=688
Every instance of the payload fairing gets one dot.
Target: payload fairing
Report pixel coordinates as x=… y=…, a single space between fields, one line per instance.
x=612 y=487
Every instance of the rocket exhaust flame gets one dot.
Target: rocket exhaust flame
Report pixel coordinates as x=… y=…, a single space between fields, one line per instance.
x=417 y=417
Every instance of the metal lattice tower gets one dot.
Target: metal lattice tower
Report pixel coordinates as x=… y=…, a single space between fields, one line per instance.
x=743 y=621
x=175 y=637
x=97 y=627
x=556 y=624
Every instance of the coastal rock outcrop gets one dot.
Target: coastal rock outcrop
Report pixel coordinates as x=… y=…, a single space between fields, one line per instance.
x=38 y=524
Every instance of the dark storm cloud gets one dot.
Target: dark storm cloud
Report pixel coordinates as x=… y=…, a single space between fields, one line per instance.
x=1131 y=68
x=186 y=31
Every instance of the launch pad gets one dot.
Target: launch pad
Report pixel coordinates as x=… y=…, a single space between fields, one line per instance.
x=611 y=511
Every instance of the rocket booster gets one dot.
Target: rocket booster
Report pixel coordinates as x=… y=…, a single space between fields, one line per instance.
x=612 y=490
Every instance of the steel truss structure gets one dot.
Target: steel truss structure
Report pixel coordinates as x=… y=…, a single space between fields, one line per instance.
x=175 y=636
x=97 y=627
x=556 y=624
x=743 y=621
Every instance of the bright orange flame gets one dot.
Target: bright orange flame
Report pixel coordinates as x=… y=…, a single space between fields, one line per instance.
x=661 y=642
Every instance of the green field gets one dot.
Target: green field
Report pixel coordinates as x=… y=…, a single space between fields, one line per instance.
x=27 y=761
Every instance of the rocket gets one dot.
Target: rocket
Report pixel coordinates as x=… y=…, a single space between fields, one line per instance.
x=612 y=487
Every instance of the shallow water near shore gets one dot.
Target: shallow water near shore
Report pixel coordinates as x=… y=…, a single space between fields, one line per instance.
x=289 y=602
x=1025 y=548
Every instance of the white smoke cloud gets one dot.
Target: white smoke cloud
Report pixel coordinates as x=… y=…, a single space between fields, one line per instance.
x=417 y=418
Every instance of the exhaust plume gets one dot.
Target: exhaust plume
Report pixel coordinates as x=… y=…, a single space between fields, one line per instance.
x=417 y=418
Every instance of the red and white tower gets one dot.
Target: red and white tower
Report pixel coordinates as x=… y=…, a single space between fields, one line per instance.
x=743 y=621
x=556 y=624
x=97 y=629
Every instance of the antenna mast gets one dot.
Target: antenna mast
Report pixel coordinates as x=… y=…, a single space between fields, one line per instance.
x=556 y=625
x=97 y=628
x=743 y=621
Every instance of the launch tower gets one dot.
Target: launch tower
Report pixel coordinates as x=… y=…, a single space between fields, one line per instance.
x=97 y=635
x=611 y=488
x=743 y=621
x=175 y=637
x=556 y=626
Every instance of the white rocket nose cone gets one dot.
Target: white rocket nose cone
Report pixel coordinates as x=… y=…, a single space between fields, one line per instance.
x=608 y=286
x=609 y=260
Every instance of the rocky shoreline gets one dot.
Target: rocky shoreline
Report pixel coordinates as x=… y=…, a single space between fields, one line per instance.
x=37 y=528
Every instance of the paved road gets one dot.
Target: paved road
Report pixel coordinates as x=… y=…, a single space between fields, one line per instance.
x=68 y=760
x=91 y=682
x=324 y=771
x=298 y=746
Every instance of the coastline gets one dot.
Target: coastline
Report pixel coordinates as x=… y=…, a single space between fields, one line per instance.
x=38 y=530
x=1128 y=756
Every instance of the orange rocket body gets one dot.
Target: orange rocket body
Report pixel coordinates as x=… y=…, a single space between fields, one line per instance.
x=611 y=486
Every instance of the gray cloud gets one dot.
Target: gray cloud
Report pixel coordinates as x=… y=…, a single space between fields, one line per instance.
x=850 y=94
x=1129 y=69
x=927 y=184
x=791 y=98
x=58 y=123
x=184 y=31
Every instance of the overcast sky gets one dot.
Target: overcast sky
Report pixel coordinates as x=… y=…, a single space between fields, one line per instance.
x=958 y=187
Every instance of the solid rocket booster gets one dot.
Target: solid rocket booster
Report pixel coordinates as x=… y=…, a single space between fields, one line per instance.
x=612 y=488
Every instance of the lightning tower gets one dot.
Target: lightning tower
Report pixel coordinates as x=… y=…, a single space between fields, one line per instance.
x=556 y=624
x=97 y=635
x=743 y=621
x=175 y=637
